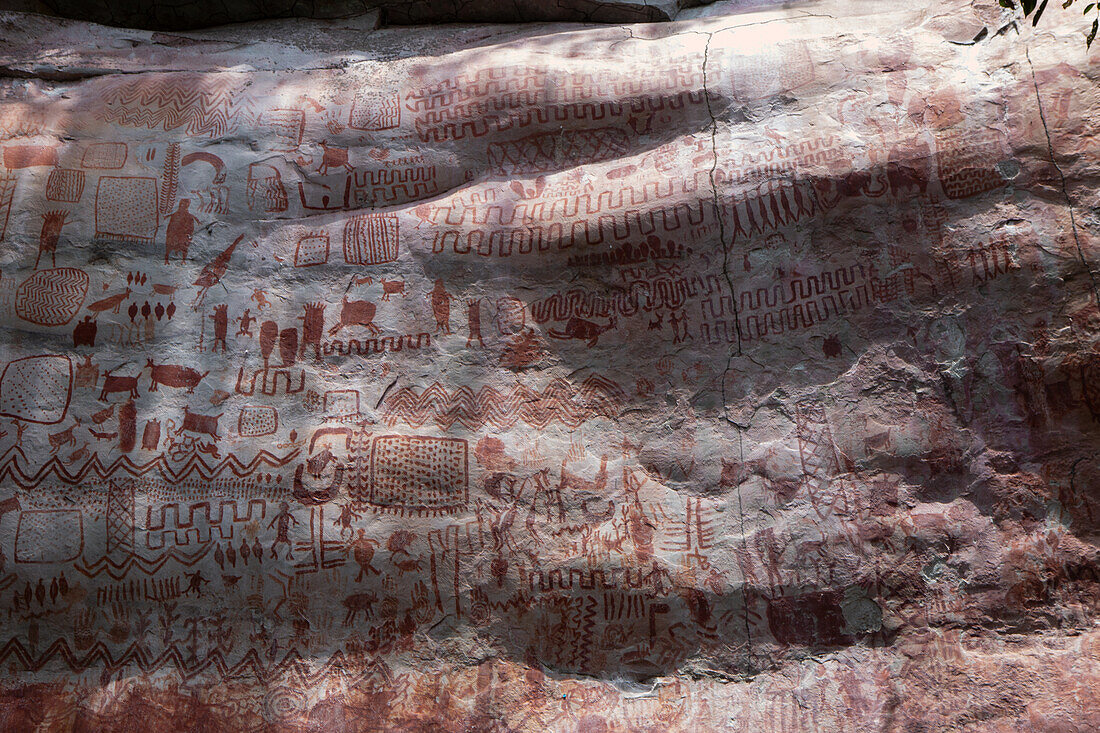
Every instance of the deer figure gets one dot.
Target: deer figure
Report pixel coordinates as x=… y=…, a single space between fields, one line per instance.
x=333 y=158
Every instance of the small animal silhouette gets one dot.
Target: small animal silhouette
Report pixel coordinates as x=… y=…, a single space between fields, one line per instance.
x=333 y=158
x=359 y=602
x=195 y=423
x=356 y=313
x=212 y=272
x=52 y=221
x=63 y=438
x=79 y=454
x=111 y=303
x=103 y=415
x=87 y=373
x=84 y=332
x=578 y=328
x=113 y=384
x=393 y=287
x=221 y=326
x=172 y=375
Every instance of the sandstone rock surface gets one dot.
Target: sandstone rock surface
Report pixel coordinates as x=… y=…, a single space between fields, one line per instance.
x=735 y=373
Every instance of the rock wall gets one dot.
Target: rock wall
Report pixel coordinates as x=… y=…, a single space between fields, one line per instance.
x=737 y=373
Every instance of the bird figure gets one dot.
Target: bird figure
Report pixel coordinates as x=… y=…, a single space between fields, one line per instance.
x=230 y=581
x=362 y=549
x=212 y=273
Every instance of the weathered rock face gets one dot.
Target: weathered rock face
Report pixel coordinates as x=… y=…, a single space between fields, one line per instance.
x=737 y=373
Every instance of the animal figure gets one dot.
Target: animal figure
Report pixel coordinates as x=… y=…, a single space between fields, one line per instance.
x=103 y=415
x=356 y=313
x=359 y=602
x=221 y=326
x=578 y=328
x=333 y=158
x=171 y=375
x=313 y=328
x=63 y=438
x=362 y=549
x=246 y=321
x=111 y=303
x=113 y=384
x=195 y=423
x=316 y=497
x=87 y=373
x=393 y=287
x=52 y=221
x=212 y=273
x=79 y=454
x=84 y=333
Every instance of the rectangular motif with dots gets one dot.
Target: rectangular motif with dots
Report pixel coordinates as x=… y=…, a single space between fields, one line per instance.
x=418 y=474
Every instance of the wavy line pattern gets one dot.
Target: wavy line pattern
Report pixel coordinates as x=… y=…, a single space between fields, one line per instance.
x=304 y=670
x=561 y=401
x=203 y=105
x=193 y=467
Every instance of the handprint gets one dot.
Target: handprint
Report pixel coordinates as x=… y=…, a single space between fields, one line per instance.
x=83 y=636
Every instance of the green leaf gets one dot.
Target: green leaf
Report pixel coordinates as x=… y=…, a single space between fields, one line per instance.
x=1039 y=14
x=1066 y=4
x=1029 y=5
x=1008 y=4
x=1088 y=7
x=1092 y=34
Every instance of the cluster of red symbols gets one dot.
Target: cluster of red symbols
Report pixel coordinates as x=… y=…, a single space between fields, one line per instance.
x=315 y=399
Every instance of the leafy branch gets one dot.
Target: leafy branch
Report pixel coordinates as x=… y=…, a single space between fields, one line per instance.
x=1034 y=10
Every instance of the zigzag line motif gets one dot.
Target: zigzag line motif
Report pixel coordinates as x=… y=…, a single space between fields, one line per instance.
x=210 y=106
x=194 y=467
x=119 y=570
x=554 y=150
x=51 y=297
x=250 y=665
x=561 y=401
